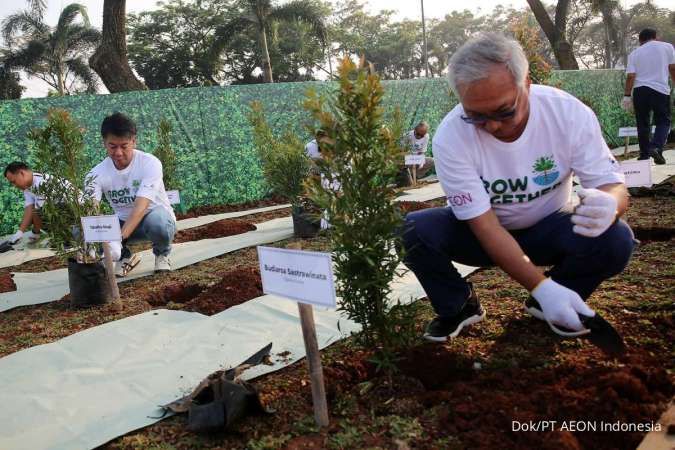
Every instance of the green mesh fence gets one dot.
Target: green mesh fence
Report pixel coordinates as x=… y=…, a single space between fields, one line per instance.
x=216 y=159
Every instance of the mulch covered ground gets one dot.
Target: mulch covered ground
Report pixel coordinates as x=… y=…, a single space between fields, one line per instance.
x=222 y=228
x=235 y=287
x=463 y=394
x=6 y=283
x=213 y=230
x=198 y=211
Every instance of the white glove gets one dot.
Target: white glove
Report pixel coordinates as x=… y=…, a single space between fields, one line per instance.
x=627 y=103
x=16 y=237
x=115 y=250
x=595 y=214
x=561 y=305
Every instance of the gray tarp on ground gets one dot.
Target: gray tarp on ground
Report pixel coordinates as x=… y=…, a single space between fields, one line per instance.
x=36 y=288
x=27 y=253
x=88 y=388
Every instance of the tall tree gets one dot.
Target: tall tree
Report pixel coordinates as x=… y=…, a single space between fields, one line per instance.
x=556 y=31
x=110 y=59
x=37 y=7
x=170 y=46
x=9 y=85
x=55 y=55
x=261 y=15
x=447 y=35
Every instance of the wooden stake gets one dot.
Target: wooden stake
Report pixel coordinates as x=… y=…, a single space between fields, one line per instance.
x=314 y=364
x=625 y=151
x=414 y=174
x=110 y=273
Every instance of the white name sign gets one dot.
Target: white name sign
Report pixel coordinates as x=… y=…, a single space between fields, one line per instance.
x=638 y=173
x=306 y=277
x=630 y=131
x=101 y=228
x=415 y=160
x=174 y=197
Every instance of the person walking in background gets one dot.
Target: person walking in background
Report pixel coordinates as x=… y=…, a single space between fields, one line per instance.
x=647 y=83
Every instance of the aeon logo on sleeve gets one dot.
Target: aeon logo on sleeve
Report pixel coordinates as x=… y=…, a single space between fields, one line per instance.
x=461 y=199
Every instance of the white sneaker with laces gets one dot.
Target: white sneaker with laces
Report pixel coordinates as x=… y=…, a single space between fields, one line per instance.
x=162 y=263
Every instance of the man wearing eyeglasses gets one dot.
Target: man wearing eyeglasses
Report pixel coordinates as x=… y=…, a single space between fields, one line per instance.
x=505 y=157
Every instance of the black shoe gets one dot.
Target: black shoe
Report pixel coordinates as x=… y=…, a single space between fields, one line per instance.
x=441 y=328
x=658 y=157
x=642 y=158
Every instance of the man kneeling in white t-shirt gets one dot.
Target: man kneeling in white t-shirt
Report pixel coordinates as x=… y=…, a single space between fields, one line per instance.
x=133 y=184
x=21 y=176
x=505 y=157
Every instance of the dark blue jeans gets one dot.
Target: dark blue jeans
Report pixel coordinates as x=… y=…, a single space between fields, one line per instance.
x=645 y=101
x=435 y=237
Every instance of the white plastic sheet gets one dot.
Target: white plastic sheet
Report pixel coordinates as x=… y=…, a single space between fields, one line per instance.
x=423 y=194
x=36 y=288
x=88 y=388
x=23 y=253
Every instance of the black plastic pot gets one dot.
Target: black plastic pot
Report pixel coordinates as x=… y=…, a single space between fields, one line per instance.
x=305 y=225
x=88 y=284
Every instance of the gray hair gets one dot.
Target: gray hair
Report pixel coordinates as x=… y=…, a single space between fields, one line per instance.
x=475 y=58
x=422 y=124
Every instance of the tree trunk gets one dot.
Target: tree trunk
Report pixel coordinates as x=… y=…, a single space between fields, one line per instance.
x=267 y=66
x=555 y=32
x=61 y=88
x=611 y=32
x=110 y=59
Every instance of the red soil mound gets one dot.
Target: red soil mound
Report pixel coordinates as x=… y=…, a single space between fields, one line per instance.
x=221 y=228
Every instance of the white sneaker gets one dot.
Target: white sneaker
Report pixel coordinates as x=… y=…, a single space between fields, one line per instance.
x=126 y=265
x=162 y=263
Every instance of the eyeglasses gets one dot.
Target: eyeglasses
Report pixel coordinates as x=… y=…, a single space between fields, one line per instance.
x=480 y=119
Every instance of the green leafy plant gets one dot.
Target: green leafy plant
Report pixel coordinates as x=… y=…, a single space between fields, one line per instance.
x=527 y=34
x=284 y=162
x=166 y=154
x=363 y=156
x=60 y=154
x=544 y=164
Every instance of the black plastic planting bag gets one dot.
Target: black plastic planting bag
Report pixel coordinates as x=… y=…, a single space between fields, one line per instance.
x=221 y=399
x=304 y=224
x=88 y=284
x=221 y=403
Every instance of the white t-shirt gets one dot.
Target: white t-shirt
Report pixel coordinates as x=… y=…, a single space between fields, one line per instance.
x=142 y=178
x=30 y=198
x=416 y=146
x=649 y=62
x=312 y=149
x=528 y=179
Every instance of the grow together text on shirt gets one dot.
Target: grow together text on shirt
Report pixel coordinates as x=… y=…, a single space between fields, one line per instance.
x=515 y=190
x=124 y=196
x=497 y=190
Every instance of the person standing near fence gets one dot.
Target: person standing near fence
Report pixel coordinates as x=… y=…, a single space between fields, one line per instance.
x=648 y=92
